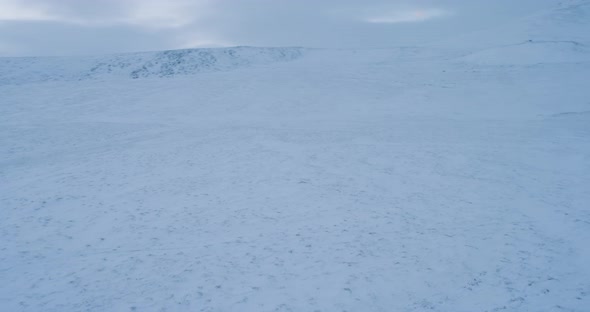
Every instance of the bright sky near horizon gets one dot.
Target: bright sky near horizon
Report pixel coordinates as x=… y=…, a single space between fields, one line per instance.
x=70 y=27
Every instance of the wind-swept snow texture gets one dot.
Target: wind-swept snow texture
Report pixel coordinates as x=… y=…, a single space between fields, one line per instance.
x=415 y=179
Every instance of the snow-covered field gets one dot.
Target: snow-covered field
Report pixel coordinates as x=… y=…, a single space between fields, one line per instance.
x=444 y=178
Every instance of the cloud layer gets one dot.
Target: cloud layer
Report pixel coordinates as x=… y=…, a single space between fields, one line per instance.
x=64 y=27
x=407 y=16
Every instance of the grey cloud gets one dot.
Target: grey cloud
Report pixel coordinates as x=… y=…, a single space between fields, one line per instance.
x=65 y=27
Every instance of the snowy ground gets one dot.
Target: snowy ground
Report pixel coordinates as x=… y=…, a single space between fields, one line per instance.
x=334 y=180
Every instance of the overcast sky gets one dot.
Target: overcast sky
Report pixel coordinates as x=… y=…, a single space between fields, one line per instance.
x=70 y=27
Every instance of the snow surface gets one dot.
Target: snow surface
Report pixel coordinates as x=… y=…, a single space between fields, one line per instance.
x=452 y=178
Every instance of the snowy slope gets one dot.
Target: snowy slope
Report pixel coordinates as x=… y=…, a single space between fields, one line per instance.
x=567 y=21
x=139 y=65
x=532 y=52
x=560 y=34
x=452 y=178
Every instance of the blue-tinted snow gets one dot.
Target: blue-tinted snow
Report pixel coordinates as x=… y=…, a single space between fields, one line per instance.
x=453 y=178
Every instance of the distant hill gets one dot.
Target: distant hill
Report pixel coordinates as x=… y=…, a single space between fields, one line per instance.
x=19 y=70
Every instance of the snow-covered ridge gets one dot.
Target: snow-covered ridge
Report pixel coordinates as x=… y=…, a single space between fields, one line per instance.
x=531 y=52
x=139 y=65
x=569 y=21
